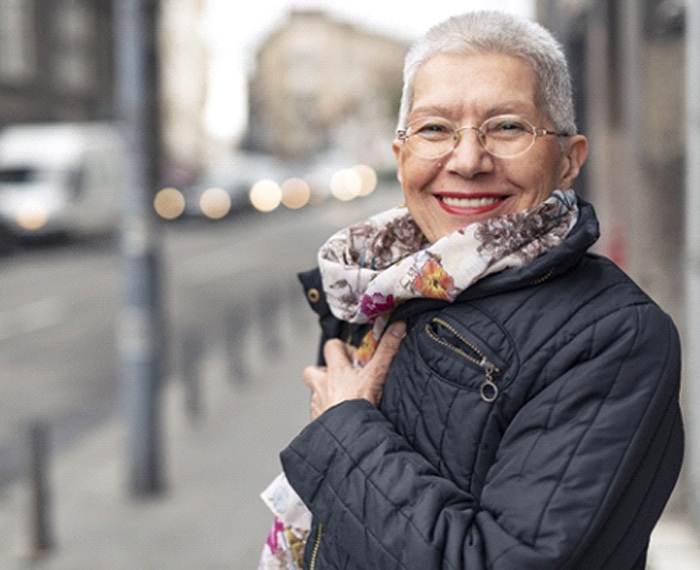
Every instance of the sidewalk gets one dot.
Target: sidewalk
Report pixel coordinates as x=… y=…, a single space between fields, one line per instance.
x=210 y=516
x=675 y=545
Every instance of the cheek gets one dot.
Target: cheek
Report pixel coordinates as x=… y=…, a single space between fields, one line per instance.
x=538 y=178
x=416 y=173
x=552 y=164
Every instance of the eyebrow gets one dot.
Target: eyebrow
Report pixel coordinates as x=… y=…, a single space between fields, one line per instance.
x=505 y=108
x=512 y=107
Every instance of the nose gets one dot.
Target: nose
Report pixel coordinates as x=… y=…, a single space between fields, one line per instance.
x=469 y=157
x=461 y=135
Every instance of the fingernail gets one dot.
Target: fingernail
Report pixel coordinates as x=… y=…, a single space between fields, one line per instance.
x=398 y=329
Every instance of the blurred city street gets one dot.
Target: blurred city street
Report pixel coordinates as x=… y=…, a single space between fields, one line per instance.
x=239 y=335
x=245 y=130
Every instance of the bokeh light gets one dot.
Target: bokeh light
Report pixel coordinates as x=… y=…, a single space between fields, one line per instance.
x=32 y=216
x=296 y=193
x=169 y=203
x=368 y=179
x=215 y=203
x=346 y=184
x=266 y=195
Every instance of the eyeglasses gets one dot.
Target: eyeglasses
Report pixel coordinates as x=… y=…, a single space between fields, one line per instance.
x=503 y=136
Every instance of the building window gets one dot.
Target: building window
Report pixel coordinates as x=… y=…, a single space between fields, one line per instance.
x=17 y=46
x=74 y=56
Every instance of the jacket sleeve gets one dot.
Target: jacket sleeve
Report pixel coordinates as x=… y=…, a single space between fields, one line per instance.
x=581 y=474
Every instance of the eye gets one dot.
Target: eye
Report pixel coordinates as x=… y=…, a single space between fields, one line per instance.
x=511 y=126
x=432 y=128
x=506 y=127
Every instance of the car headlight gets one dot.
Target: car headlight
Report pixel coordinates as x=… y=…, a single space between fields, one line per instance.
x=32 y=216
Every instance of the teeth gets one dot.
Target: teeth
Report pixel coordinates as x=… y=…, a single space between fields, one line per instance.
x=469 y=202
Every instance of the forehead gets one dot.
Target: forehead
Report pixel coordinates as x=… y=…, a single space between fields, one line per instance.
x=466 y=82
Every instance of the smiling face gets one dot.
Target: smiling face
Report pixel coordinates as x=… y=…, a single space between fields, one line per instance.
x=468 y=184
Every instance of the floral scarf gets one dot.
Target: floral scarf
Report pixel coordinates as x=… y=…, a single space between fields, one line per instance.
x=284 y=547
x=372 y=267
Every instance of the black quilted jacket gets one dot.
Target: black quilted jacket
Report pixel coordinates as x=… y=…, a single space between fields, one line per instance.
x=532 y=424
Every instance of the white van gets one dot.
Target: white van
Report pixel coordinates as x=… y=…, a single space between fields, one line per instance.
x=61 y=179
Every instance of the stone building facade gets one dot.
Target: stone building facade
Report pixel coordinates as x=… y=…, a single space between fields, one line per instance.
x=321 y=84
x=183 y=85
x=628 y=68
x=56 y=62
x=58 y=65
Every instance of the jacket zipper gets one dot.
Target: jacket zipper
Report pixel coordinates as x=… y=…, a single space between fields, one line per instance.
x=543 y=278
x=317 y=545
x=488 y=389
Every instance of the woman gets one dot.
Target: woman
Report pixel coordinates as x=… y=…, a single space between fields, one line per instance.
x=513 y=400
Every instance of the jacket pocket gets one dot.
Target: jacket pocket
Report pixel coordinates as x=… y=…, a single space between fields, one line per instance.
x=460 y=357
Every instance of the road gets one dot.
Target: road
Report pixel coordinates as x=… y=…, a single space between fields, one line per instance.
x=59 y=304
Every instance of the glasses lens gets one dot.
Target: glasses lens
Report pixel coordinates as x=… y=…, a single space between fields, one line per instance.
x=508 y=135
x=431 y=137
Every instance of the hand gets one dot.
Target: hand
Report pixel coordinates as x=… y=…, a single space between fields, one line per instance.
x=341 y=381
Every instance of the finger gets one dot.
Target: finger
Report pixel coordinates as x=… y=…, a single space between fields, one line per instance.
x=313 y=374
x=388 y=346
x=335 y=353
x=350 y=351
x=315 y=408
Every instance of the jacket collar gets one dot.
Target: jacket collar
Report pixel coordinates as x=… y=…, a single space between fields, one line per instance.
x=552 y=263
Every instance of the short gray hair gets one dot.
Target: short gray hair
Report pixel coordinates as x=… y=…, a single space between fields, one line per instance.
x=499 y=32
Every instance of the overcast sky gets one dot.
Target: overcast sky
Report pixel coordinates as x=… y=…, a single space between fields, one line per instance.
x=234 y=29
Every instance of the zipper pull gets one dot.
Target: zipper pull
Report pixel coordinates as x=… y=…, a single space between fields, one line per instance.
x=489 y=389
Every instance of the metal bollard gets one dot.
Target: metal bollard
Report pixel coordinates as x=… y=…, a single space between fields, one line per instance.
x=191 y=354
x=41 y=534
x=269 y=308
x=235 y=329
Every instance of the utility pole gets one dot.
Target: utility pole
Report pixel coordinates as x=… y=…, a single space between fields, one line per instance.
x=692 y=252
x=140 y=326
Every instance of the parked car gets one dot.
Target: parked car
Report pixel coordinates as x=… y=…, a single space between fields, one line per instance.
x=60 y=179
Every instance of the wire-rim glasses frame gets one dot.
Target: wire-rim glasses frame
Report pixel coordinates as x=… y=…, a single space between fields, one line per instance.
x=502 y=136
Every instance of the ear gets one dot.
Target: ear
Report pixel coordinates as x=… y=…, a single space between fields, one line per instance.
x=575 y=155
x=396 y=146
